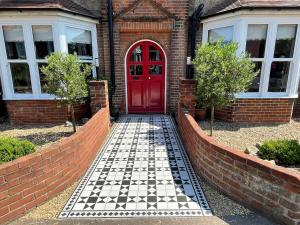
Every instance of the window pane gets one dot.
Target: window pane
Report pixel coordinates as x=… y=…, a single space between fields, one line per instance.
x=43 y=41
x=226 y=33
x=256 y=82
x=285 y=41
x=14 y=42
x=136 y=70
x=21 y=77
x=155 y=70
x=137 y=54
x=256 y=40
x=154 y=54
x=42 y=78
x=279 y=76
x=80 y=42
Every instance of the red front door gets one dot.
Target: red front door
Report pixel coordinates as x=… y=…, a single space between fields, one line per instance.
x=146 y=78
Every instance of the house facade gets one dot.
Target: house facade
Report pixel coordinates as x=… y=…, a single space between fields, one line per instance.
x=142 y=46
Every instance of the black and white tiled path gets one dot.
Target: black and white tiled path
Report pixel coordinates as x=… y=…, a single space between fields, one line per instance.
x=142 y=170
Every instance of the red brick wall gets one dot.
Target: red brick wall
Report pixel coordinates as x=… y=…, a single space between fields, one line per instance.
x=32 y=180
x=249 y=180
x=243 y=110
x=258 y=111
x=297 y=109
x=296 y=112
x=98 y=95
x=43 y=111
x=147 y=22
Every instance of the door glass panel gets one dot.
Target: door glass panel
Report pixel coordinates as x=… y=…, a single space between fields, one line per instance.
x=285 y=41
x=256 y=40
x=21 y=77
x=155 y=70
x=254 y=87
x=14 y=42
x=136 y=55
x=136 y=70
x=279 y=76
x=154 y=54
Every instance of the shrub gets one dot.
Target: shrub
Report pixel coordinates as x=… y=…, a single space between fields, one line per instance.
x=13 y=148
x=284 y=152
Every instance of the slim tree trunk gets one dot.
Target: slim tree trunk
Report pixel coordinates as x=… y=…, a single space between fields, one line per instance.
x=73 y=118
x=212 y=117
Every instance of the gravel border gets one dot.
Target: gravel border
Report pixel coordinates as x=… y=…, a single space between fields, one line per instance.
x=230 y=211
x=243 y=135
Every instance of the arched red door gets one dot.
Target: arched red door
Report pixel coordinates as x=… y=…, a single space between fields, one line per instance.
x=146 y=71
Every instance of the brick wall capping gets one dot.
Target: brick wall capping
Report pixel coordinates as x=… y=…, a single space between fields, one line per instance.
x=187 y=81
x=96 y=82
x=281 y=172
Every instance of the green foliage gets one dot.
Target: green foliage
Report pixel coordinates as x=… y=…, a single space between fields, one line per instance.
x=13 y=148
x=221 y=73
x=66 y=77
x=284 y=152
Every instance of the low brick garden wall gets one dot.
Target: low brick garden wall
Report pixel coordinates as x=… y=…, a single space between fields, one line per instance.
x=33 y=179
x=253 y=182
x=43 y=111
x=272 y=110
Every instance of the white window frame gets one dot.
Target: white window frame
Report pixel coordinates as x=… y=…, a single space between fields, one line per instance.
x=240 y=21
x=58 y=22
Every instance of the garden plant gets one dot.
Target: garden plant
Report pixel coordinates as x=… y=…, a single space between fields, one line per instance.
x=66 y=79
x=221 y=74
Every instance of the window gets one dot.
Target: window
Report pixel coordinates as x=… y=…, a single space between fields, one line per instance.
x=14 y=42
x=43 y=82
x=285 y=41
x=256 y=40
x=256 y=46
x=16 y=57
x=80 y=43
x=225 y=33
x=21 y=77
x=283 y=57
x=25 y=47
x=43 y=41
x=273 y=46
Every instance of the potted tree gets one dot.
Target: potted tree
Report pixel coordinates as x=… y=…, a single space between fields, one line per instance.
x=221 y=73
x=200 y=111
x=65 y=78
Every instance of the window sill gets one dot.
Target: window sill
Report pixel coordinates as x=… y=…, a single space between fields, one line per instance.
x=269 y=95
x=20 y=98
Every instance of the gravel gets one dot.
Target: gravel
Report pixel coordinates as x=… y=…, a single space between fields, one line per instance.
x=52 y=208
x=230 y=211
x=41 y=135
x=240 y=135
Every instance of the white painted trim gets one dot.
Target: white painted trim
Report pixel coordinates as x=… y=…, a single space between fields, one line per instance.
x=240 y=20
x=166 y=72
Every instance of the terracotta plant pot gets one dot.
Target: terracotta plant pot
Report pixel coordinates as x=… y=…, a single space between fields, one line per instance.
x=200 y=114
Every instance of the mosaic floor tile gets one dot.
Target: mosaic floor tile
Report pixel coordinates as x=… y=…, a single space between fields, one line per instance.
x=142 y=170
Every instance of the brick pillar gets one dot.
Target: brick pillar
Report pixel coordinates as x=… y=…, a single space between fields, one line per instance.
x=187 y=90
x=98 y=95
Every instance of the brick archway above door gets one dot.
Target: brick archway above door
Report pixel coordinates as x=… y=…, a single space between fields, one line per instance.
x=145 y=72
